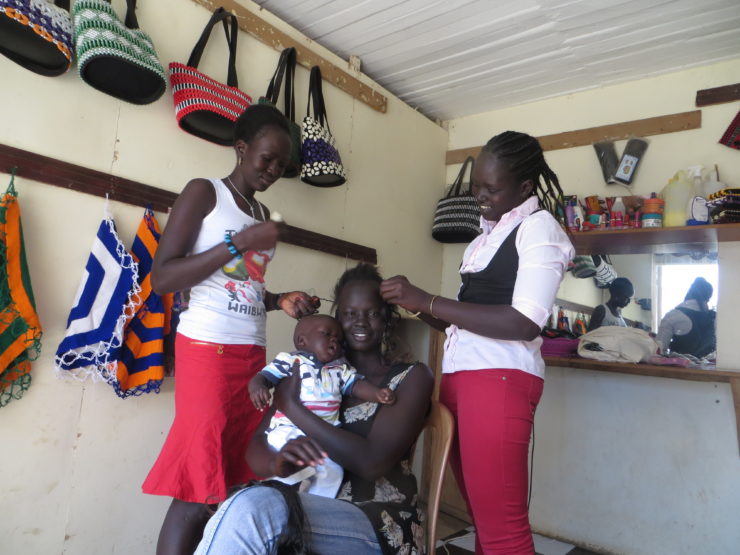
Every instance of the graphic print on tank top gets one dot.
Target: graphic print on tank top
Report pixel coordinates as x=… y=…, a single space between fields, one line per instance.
x=247 y=284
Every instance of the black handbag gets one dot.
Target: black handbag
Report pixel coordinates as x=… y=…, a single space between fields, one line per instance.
x=322 y=165
x=37 y=35
x=286 y=66
x=457 y=218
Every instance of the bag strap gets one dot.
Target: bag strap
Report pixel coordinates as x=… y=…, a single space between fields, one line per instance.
x=131 y=21
x=455 y=189
x=273 y=89
x=290 y=63
x=219 y=15
x=315 y=93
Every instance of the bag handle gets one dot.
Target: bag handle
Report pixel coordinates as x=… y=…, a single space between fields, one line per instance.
x=219 y=15
x=273 y=89
x=290 y=63
x=64 y=4
x=455 y=189
x=131 y=21
x=315 y=93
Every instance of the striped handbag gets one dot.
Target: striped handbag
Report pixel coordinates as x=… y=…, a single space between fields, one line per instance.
x=37 y=35
x=116 y=57
x=205 y=107
x=457 y=219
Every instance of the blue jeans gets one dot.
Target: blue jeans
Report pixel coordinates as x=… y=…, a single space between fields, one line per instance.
x=251 y=521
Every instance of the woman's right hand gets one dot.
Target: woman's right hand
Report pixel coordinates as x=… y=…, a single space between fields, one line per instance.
x=398 y=290
x=297 y=454
x=262 y=236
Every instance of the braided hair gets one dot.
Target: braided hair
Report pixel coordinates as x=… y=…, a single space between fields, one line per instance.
x=524 y=158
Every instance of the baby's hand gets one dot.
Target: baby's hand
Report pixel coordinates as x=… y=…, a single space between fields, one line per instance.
x=386 y=396
x=259 y=393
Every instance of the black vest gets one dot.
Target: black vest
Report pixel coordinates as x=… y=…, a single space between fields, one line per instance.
x=702 y=339
x=495 y=283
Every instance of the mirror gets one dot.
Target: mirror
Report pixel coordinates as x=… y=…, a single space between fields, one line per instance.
x=662 y=280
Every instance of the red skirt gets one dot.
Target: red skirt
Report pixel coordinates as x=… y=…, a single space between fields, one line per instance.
x=204 y=453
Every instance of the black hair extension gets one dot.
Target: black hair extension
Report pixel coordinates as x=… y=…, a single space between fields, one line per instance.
x=525 y=160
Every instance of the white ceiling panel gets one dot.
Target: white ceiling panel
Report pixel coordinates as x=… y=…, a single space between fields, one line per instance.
x=451 y=58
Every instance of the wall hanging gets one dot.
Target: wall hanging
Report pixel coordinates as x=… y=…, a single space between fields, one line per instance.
x=141 y=364
x=457 y=218
x=205 y=107
x=286 y=66
x=114 y=58
x=322 y=165
x=105 y=300
x=37 y=35
x=20 y=329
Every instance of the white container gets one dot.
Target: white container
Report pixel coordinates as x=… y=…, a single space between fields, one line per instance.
x=677 y=194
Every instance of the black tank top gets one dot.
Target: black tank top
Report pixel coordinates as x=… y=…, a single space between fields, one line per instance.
x=702 y=339
x=495 y=283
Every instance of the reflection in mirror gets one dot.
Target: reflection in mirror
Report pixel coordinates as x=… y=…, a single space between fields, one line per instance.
x=660 y=282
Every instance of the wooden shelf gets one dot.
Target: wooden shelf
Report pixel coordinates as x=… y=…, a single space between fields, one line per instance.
x=655 y=240
x=656 y=371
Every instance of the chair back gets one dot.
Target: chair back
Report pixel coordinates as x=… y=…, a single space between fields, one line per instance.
x=438 y=433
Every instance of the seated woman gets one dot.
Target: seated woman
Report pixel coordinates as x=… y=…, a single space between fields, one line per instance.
x=610 y=313
x=689 y=328
x=373 y=445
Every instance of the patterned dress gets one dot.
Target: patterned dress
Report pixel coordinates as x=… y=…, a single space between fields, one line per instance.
x=391 y=501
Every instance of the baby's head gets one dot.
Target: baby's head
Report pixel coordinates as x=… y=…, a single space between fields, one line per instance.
x=319 y=334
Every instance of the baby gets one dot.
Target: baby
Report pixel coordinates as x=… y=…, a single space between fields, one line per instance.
x=325 y=377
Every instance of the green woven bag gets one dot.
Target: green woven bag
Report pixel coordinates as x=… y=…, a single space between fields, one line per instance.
x=114 y=58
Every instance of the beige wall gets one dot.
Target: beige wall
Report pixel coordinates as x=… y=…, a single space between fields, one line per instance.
x=624 y=463
x=74 y=455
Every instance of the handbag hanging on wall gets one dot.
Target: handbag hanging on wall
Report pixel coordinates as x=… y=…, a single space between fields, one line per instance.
x=457 y=218
x=322 y=166
x=286 y=66
x=37 y=35
x=205 y=107
x=114 y=57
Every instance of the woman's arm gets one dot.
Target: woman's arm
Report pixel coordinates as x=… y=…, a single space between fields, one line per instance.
x=597 y=317
x=394 y=429
x=173 y=269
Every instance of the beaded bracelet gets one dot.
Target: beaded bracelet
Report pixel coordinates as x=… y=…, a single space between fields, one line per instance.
x=230 y=245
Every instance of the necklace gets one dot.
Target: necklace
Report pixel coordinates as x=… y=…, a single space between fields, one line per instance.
x=249 y=202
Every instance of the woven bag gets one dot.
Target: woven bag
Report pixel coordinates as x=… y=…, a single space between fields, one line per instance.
x=286 y=66
x=205 y=107
x=457 y=218
x=37 y=35
x=116 y=57
x=322 y=165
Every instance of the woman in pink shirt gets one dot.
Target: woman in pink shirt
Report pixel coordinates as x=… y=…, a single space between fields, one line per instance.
x=492 y=368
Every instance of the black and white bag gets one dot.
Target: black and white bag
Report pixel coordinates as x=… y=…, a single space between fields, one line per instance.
x=457 y=218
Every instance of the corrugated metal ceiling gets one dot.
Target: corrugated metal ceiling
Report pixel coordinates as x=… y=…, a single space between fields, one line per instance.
x=451 y=58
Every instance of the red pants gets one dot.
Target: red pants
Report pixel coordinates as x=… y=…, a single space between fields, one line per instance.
x=494 y=414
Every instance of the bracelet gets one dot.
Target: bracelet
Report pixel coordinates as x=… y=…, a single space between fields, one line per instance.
x=277 y=300
x=431 y=306
x=230 y=245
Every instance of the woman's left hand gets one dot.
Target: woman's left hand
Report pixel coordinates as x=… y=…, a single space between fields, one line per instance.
x=298 y=304
x=287 y=394
x=398 y=290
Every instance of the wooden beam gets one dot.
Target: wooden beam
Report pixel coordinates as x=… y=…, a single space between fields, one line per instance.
x=659 y=125
x=735 y=386
x=652 y=370
x=51 y=171
x=275 y=38
x=718 y=95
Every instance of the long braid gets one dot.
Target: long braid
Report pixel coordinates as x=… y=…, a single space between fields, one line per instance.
x=525 y=160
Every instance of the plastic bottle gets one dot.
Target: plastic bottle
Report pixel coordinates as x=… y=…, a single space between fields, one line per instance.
x=617 y=213
x=696 y=210
x=676 y=194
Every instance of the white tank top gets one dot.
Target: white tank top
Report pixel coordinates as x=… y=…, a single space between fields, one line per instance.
x=228 y=306
x=611 y=320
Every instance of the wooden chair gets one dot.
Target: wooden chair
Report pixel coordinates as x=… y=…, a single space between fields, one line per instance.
x=438 y=432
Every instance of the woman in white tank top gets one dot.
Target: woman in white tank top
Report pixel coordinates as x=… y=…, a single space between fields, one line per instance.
x=217 y=243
